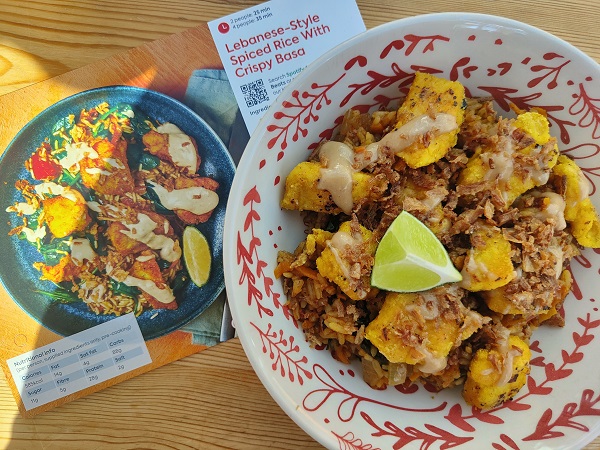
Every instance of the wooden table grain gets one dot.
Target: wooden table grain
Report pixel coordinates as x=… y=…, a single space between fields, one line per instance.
x=218 y=402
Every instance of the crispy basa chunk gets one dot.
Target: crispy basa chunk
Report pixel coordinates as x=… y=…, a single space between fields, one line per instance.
x=109 y=172
x=153 y=287
x=422 y=328
x=144 y=230
x=340 y=261
x=516 y=158
x=431 y=96
x=64 y=270
x=495 y=376
x=488 y=262
x=188 y=182
x=580 y=212
x=302 y=192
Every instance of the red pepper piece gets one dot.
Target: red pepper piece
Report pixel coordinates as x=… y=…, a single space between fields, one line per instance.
x=42 y=167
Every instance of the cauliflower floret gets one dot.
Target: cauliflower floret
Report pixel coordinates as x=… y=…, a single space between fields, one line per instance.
x=66 y=214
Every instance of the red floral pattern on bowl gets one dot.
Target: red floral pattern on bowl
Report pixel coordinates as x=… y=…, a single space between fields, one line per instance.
x=510 y=61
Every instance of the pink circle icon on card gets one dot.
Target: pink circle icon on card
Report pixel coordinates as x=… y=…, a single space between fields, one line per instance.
x=223 y=27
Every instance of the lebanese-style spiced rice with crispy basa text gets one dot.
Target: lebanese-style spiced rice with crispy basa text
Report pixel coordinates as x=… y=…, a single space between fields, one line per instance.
x=110 y=195
x=510 y=211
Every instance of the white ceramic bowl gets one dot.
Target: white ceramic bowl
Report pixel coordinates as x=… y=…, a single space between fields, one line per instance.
x=560 y=405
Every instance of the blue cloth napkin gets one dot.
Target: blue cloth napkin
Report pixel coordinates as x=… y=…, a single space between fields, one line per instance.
x=210 y=95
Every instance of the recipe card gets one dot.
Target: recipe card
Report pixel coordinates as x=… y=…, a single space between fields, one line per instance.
x=79 y=361
x=264 y=47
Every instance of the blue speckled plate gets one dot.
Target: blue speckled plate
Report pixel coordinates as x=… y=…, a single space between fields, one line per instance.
x=22 y=281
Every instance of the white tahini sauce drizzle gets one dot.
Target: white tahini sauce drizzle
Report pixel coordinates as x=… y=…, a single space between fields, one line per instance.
x=339 y=243
x=34 y=235
x=431 y=363
x=336 y=176
x=555 y=209
x=75 y=152
x=164 y=295
x=180 y=146
x=406 y=135
x=52 y=188
x=195 y=199
x=340 y=161
x=150 y=287
x=81 y=250
x=22 y=208
x=143 y=231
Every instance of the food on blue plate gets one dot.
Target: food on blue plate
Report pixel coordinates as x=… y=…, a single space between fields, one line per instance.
x=110 y=193
x=510 y=211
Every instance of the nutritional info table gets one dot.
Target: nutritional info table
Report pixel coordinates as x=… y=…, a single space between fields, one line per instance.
x=79 y=361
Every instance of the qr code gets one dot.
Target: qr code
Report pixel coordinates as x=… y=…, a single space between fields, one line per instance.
x=254 y=93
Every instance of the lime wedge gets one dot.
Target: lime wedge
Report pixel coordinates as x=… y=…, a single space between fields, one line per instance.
x=410 y=258
x=196 y=255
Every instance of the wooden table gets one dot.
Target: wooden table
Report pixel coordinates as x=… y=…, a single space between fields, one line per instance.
x=219 y=402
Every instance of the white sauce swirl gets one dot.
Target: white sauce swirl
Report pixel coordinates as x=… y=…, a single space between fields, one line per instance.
x=180 y=146
x=195 y=199
x=143 y=231
x=341 y=162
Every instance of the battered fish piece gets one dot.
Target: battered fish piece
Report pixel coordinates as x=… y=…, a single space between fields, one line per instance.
x=109 y=172
x=189 y=217
x=302 y=190
x=580 y=212
x=148 y=278
x=171 y=144
x=488 y=263
x=336 y=261
x=144 y=230
x=65 y=270
x=517 y=158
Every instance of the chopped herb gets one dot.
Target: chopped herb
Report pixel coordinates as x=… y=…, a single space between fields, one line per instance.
x=60 y=295
x=123 y=289
x=180 y=282
x=154 y=198
x=54 y=251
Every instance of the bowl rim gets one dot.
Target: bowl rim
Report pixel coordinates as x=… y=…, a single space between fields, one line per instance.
x=275 y=389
